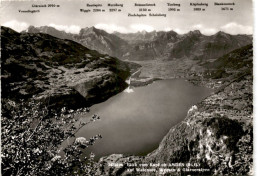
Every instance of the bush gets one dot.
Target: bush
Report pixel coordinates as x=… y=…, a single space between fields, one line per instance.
x=31 y=139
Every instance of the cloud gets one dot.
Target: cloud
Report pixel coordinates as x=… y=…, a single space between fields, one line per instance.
x=110 y=28
x=209 y=31
x=167 y=29
x=234 y=28
x=69 y=29
x=180 y=31
x=231 y=28
x=197 y=26
x=204 y=30
x=200 y=27
x=20 y=26
x=141 y=27
x=15 y=25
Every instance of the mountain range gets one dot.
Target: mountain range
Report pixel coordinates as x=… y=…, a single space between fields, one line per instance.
x=153 y=45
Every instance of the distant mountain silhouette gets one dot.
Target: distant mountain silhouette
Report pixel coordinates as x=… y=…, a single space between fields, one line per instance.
x=51 y=31
x=153 y=45
x=170 y=45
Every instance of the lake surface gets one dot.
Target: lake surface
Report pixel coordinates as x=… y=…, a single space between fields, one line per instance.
x=135 y=122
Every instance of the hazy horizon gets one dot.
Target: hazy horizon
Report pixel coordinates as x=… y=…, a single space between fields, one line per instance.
x=69 y=18
x=123 y=32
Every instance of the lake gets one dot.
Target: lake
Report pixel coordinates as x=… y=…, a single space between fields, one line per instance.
x=134 y=122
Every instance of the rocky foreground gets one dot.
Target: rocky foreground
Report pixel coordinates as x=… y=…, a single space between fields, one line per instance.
x=215 y=138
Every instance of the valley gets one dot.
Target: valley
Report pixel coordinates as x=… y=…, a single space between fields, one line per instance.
x=91 y=69
x=162 y=55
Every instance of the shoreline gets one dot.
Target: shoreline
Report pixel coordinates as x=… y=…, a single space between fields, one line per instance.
x=190 y=122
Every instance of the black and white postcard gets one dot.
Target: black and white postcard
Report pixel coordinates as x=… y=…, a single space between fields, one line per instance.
x=127 y=87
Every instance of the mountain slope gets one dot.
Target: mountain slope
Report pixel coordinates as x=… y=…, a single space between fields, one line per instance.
x=60 y=71
x=237 y=61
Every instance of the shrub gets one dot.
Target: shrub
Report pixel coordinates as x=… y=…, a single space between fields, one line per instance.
x=31 y=139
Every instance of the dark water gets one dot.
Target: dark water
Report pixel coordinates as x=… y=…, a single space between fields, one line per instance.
x=136 y=122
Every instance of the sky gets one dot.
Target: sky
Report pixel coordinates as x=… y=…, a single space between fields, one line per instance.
x=68 y=17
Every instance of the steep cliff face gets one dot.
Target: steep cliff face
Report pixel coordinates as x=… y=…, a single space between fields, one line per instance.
x=219 y=144
x=61 y=72
x=101 y=41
